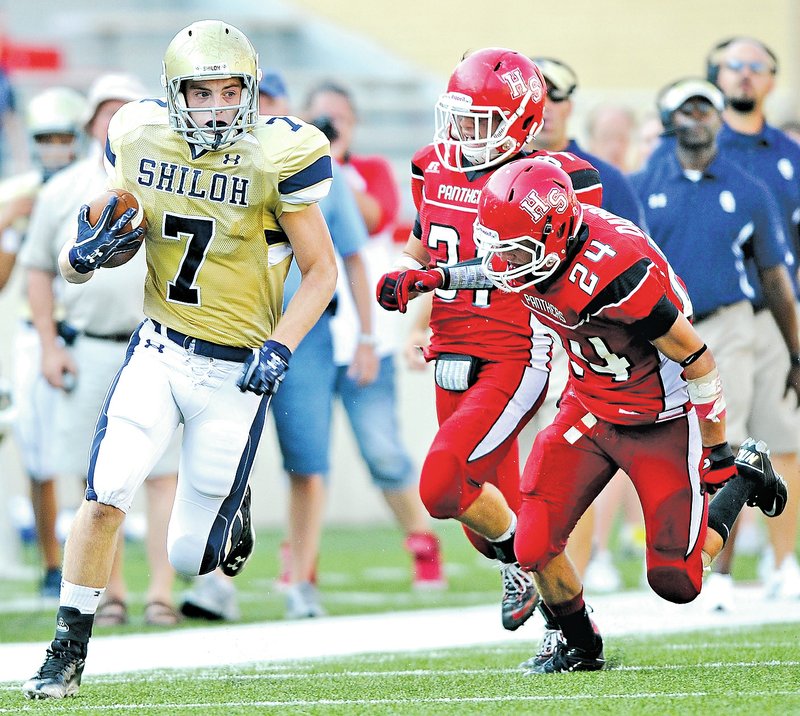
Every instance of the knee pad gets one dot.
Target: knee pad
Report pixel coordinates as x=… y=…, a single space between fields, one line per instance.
x=443 y=487
x=187 y=554
x=533 y=543
x=673 y=584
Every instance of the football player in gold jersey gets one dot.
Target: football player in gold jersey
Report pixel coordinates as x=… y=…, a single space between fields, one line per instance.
x=229 y=199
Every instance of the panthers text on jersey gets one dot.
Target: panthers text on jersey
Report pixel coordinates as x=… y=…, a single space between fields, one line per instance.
x=491 y=325
x=216 y=254
x=616 y=295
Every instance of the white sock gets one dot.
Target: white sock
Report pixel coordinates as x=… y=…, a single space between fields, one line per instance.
x=512 y=528
x=84 y=599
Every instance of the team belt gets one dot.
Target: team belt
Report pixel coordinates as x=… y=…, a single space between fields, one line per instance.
x=203 y=348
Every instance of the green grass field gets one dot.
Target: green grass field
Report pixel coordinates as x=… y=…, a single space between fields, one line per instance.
x=730 y=671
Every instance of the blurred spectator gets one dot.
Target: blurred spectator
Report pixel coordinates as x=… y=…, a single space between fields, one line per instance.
x=618 y=196
x=273 y=96
x=610 y=131
x=372 y=409
x=620 y=199
x=12 y=131
x=81 y=357
x=54 y=127
x=699 y=200
x=648 y=138
x=745 y=70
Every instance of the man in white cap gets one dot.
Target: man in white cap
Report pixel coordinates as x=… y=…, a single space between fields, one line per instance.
x=98 y=319
x=700 y=202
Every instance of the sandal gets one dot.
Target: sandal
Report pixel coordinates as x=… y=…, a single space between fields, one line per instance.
x=160 y=614
x=111 y=612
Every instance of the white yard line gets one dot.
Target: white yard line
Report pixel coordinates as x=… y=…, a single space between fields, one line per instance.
x=621 y=614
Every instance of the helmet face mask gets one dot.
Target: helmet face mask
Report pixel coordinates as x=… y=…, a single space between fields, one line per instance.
x=205 y=51
x=528 y=215
x=493 y=106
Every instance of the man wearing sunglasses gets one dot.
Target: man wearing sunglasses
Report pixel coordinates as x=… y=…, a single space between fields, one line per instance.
x=711 y=218
x=745 y=69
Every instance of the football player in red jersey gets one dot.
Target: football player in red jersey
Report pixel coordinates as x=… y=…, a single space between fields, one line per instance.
x=491 y=354
x=643 y=395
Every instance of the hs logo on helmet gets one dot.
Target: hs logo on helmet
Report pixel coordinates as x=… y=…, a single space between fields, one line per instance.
x=539 y=207
x=518 y=86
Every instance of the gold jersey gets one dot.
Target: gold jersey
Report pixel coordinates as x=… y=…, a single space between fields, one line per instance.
x=217 y=257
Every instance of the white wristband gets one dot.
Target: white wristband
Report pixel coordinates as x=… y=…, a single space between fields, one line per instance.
x=367 y=339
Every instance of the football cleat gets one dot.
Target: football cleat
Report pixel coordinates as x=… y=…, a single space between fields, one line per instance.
x=237 y=557
x=753 y=463
x=58 y=677
x=551 y=639
x=566 y=659
x=520 y=596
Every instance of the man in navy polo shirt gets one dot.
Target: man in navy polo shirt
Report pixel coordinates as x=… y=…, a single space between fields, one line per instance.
x=709 y=216
x=745 y=69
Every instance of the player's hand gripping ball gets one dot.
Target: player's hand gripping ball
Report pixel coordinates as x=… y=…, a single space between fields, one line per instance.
x=111 y=230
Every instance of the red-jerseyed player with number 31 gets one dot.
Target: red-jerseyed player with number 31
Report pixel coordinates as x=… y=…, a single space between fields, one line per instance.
x=643 y=394
x=491 y=354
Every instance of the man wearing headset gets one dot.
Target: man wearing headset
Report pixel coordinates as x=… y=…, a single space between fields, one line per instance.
x=745 y=69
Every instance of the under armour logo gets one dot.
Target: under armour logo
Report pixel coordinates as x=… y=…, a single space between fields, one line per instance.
x=158 y=346
x=232 y=159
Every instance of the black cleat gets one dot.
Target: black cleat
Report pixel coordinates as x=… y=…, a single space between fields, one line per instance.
x=753 y=463
x=567 y=659
x=551 y=639
x=520 y=596
x=58 y=677
x=237 y=557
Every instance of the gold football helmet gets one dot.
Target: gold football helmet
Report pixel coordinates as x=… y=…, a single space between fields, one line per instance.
x=211 y=49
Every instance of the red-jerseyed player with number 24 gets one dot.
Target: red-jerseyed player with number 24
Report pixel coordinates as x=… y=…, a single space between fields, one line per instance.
x=643 y=394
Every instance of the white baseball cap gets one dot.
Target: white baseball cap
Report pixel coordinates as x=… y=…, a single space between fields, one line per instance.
x=679 y=92
x=121 y=87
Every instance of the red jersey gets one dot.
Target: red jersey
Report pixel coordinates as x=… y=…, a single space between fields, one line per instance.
x=487 y=324
x=616 y=295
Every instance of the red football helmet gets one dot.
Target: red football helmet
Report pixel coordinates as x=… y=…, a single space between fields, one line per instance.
x=528 y=213
x=493 y=106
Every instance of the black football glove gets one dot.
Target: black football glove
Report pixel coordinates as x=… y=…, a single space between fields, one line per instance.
x=97 y=244
x=264 y=370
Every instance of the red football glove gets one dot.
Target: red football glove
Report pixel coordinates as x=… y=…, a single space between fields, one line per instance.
x=716 y=467
x=385 y=291
x=418 y=281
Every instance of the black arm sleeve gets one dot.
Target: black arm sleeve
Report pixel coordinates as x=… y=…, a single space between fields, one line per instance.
x=660 y=320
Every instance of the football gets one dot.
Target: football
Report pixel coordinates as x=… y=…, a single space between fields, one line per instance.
x=125 y=201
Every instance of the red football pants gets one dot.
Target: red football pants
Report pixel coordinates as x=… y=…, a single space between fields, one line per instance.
x=477 y=440
x=572 y=461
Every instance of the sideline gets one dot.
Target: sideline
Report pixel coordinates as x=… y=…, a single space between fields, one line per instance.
x=618 y=614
